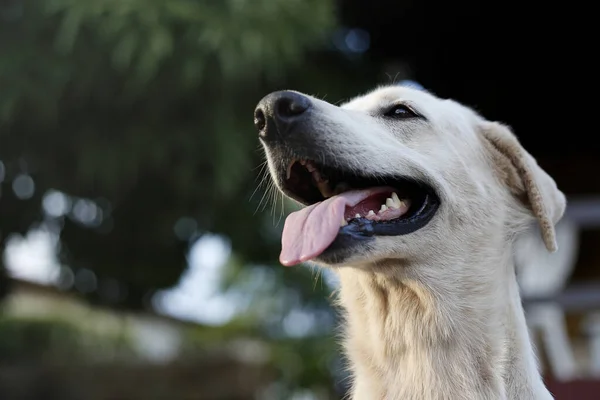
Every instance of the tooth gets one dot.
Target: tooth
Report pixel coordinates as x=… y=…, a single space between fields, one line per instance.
x=396 y=198
x=324 y=188
x=310 y=167
x=390 y=203
x=383 y=208
x=317 y=176
x=289 y=170
x=357 y=216
x=344 y=222
x=401 y=204
x=371 y=213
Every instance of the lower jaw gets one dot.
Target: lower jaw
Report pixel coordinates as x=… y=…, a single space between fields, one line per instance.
x=355 y=238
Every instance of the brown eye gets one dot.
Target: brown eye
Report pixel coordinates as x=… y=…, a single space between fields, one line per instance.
x=401 y=111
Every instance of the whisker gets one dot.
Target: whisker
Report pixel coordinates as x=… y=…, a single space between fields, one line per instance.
x=273 y=200
x=265 y=193
x=282 y=211
x=265 y=176
x=317 y=275
x=262 y=165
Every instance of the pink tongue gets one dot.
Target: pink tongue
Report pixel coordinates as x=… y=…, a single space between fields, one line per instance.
x=308 y=232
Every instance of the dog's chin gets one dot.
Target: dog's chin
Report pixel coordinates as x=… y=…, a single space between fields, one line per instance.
x=347 y=251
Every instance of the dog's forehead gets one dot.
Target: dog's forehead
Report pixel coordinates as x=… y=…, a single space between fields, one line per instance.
x=389 y=95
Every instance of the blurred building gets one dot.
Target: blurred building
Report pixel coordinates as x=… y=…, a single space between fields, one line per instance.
x=53 y=345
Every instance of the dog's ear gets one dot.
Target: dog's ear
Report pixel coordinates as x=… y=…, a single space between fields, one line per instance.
x=525 y=179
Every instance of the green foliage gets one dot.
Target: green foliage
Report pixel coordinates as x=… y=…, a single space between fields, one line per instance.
x=68 y=47
x=31 y=339
x=300 y=363
x=52 y=340
x=145 y=106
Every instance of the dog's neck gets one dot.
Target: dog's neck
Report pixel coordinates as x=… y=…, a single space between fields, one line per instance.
x=429 y=335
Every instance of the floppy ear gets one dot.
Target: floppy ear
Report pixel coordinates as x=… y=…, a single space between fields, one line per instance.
x=525 y=179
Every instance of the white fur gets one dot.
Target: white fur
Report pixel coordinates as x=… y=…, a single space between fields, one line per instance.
x=436 y=314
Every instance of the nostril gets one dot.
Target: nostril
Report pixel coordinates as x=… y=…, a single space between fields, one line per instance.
x=259 y=119
x=291 y=106
x=277 y=113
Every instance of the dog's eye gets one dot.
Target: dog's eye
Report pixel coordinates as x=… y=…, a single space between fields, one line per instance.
x=401 y=111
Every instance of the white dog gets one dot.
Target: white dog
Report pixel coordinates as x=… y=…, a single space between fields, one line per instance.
x=415 y=202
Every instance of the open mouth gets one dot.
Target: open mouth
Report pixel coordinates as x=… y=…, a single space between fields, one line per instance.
x=391 y=200
x=344 y=206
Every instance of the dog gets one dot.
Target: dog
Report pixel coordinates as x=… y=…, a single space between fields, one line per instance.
x=415 y=202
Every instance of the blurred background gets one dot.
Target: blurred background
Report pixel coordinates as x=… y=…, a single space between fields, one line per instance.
x=139 y=236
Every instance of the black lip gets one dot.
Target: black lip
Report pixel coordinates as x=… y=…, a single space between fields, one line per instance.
x=363 y=227
x=362 y=231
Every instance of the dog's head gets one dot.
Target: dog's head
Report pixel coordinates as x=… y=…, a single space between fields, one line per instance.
x=398 y=174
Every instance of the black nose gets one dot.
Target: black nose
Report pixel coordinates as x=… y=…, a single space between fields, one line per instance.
x=277 y=112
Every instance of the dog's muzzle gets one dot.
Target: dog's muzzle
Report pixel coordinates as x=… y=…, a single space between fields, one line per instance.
x=277 y=113
x=345 y=208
